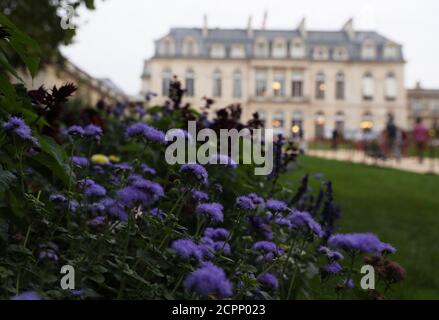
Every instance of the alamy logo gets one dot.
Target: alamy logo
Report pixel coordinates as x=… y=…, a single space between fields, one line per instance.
x=253 y=146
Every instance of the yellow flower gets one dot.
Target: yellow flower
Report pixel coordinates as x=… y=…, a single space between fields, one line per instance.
x=114 y=158
x=100 y=159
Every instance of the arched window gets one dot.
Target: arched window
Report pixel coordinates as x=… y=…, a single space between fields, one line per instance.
x=190 y=47
x=261 y=48
x=297 y=48
x=320 y=86
x=297 y=84
x=340 y=86
x=261 y=83
x=167 y=46
x=297 y=124
x=368 y=86
x=190 y=83
x=279 y=48
x=340 y=123
x=217 y=84
x=166 y=81
x=367 y=124
x=237 y=84
x=278 y=84
x=320 y=121
x=390 y=87
x=278 y=122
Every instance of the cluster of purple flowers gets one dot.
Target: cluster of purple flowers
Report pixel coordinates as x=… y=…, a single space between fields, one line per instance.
x=245 y=203
x=276 y=205
x=140 y=191
x=59 y=199
x=49 y=251
x=213 y=211
x=91 y=188
x=27 y=295
x=209 y=279
x=331 y=254
x=18 y=127
x=269 y=280
x=332 y=268
x=199 y=195
x=197 y=170
x=187 y=248
x=363 y=242
x=268 y=250
x=143 y=130
x=304 y=221
x=147 y=169
x=214 y=240
x=79 y=161
x=90 y=131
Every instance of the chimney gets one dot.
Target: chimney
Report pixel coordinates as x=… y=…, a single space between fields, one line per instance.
x=349 y=28
x=264 y=20
x=205 y=28
x=249 y=27
x=302 y=28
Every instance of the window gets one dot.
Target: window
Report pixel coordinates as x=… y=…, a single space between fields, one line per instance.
x=217 y=51
x=390 y=87
x=217 y=84
x=279 y=48
x=262 y=117
x=190 y=83
x=261 y=48
x=340 y=86
x=339 y=123
x=391 y=51
x=367 y=124
x=297 y=124
x=237 y=84
x=417 y=107
x=166 y=82
x=237 y=51
x=368 y=87
x=297 y=49
x=435 y=107
x=278 y=84
x=340 y=54
x=190 y=47
x=368 y=50
x=261 y=83
x=320 y=86
x=321 y=53
x=297 y=85
x=319 y=128
x=167 y=47
x=278 y=122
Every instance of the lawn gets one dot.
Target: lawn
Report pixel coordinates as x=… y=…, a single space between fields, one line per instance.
x=400 y=207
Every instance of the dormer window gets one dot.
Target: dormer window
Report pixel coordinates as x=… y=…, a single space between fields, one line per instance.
x=368 y=50
x=340 y=54
x=167 y=47
x=237 y=51
x=261 y=48
x=321 y=53
x=279 y=48
x=391 y=51
x=217 y=51
x=297 y=48
x=190 y=47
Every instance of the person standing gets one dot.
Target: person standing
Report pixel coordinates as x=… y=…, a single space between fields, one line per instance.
x=421 y=137
x=335 y=137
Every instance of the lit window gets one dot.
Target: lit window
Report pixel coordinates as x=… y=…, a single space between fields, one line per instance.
x=320 y=86
x=278 y=122
x=278 y=84
x=320 y=122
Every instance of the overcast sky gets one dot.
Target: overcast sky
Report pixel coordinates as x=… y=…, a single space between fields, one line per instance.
x=113 y=40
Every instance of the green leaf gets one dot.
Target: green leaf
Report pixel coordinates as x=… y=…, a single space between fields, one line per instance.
x=7 y=179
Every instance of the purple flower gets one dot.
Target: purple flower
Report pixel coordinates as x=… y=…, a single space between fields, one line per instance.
x=256 y=199
x=186 y=249
x=332 y=268
x=197 y=170
x=209 y=279
x=141 y=129
x=349 y=283
x=269 y=280
x=123 y=166
x=224 y=160
x=79 y=161
x=245 y=203
x=208 y=246
x=147 y=170
x=214 y=211
x=303 y=220
x=387 y=248
x=276 y=205
x=114 y=209
x=97 y=221
x=331 y=254
x=130 y=196
x=27 y=295
x=92 y=189
x=267 y=249
x=258 y=225
x=157 y=213
x=49 y=254
x=199 y=195
x=75 y=131
x=217 y=234
x=57 y=198
x=92 y=131
x=152 y=189
x=364 y=242
x=18 y=127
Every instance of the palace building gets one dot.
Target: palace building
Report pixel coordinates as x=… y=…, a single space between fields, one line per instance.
x=303 y=83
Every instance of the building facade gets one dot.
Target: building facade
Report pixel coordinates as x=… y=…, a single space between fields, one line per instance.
x=424 y=104
x=301 y=82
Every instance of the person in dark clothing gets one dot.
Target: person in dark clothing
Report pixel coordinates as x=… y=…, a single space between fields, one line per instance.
x=335 y=136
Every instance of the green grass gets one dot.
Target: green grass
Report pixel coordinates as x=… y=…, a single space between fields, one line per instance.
x=401 y=208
